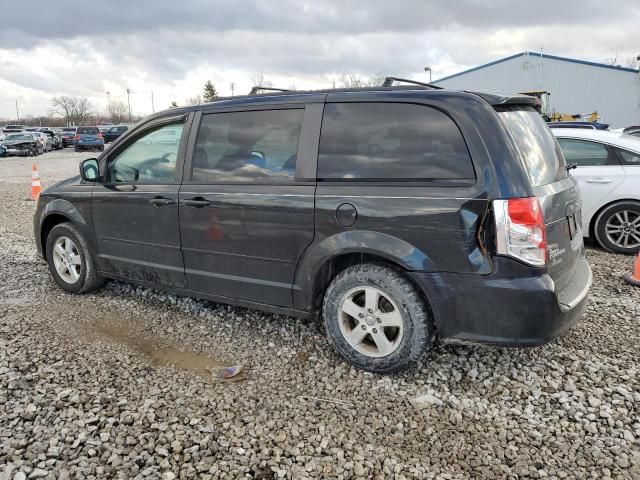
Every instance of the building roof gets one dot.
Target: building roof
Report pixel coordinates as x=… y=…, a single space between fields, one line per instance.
x=540 y=55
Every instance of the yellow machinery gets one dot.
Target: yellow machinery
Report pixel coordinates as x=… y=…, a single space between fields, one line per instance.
x=574 y=117
x=543 y=95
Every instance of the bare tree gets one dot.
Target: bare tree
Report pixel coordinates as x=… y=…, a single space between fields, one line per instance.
x=376 y=80
x=74 y=110
x=118 y=112
x=355 y=80
x=197 y=100
x=351 y=80
x=259 y=80
x=63 y=107
x=82 y=110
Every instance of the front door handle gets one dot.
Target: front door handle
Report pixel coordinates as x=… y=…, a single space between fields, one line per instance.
x=161 y=201
x=197 y=202
x=599 y=180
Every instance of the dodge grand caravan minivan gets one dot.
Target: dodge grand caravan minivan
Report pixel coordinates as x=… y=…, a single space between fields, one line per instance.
x=399 y=215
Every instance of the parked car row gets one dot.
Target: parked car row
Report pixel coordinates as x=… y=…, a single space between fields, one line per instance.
x=31 y=141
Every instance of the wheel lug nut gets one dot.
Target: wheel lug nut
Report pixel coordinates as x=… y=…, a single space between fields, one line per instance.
x=375 y=330
x=361 y=315
x=378 y=320
x=364 y=327
x=370 y=311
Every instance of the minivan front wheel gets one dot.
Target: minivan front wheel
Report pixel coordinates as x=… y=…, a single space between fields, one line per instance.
x=617 y=227
x=70 y=261
x=376 y=319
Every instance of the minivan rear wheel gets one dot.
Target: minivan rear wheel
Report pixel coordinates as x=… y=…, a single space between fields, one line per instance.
x=376 y=319
x=617 y=227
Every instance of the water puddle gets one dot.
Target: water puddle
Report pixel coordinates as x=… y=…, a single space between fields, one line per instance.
x=160 y=355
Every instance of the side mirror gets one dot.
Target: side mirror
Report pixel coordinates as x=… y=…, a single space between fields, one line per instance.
x=89 y=170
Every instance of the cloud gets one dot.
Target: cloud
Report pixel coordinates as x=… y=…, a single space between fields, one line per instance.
x=171 y=48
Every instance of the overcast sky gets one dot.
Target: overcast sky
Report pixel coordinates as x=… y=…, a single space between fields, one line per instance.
x=172 y=47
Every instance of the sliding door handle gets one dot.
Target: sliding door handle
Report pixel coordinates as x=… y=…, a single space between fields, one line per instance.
x=161 y=201
x=196 y=202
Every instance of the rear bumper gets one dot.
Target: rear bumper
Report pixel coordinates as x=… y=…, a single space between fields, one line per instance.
x=513 y=306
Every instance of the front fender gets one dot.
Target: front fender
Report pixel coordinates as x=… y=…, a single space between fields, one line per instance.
x=51 y=209
x=382 y=245
x=63 y=207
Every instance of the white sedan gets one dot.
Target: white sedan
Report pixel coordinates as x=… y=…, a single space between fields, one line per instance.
x=608 y=171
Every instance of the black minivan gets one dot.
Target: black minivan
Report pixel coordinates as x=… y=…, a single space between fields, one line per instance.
x=400 y=215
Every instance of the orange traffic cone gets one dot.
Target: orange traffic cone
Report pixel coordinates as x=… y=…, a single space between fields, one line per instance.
x=35 y=183
x=634 y=278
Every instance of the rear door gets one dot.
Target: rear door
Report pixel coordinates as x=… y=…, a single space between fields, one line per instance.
x=557 y=191
x=599 y=173
x=247 y=201
x=135 y=208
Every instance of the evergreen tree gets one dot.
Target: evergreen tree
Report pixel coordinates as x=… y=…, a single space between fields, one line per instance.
x=173 y=104
x=210 y=93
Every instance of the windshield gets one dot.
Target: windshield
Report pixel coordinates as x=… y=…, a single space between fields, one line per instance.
x=19 y=137
x=538 y=147
x=69 y=130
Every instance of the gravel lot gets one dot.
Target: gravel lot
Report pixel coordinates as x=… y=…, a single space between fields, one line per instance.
x=86 y=391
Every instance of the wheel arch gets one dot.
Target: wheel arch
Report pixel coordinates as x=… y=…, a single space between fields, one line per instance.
x=48 y=223
x=322 y=262
x=59 y=211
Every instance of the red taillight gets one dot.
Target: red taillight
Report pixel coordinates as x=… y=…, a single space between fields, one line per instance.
x=76 y=137
x=100 y=136
x=520 y=230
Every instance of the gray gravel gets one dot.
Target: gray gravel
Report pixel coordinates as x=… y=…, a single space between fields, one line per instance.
x=78 y=401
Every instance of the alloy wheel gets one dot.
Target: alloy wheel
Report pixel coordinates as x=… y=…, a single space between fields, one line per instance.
x=623 y=229
x=370 y=321
x=67 y=259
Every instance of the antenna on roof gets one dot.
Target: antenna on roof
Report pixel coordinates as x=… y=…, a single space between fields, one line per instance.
x=388 y=82
x=259 y=88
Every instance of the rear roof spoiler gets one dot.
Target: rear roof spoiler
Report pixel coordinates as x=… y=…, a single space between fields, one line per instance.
x=498 y=100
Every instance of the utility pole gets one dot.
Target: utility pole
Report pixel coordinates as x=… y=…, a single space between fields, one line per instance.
x=17 y=112
x=232 y=85
x=153 y=108
x=109 y=104
x=129 y=103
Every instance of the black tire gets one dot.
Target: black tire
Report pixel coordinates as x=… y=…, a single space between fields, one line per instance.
x=76 y=149
x=88 y=279
x=101 y=148
x=613 y=213
x=417 y=331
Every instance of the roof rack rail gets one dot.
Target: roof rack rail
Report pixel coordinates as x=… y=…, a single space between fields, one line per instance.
x=388 y=82
x=258 y=88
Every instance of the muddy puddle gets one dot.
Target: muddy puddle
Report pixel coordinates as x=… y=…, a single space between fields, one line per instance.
x=161 y=355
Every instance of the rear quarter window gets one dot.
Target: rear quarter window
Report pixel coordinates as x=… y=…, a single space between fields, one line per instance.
x=538 y=147
x=391 y=141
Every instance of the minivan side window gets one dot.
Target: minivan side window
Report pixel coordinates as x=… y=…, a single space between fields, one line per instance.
x=585 y=153
x=253 y=146
x=391 y=141
x=151 y=158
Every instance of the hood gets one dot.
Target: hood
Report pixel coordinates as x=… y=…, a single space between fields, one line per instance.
x=63 y=184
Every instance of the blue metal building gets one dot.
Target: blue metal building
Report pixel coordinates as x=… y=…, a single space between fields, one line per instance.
x=575 y=86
